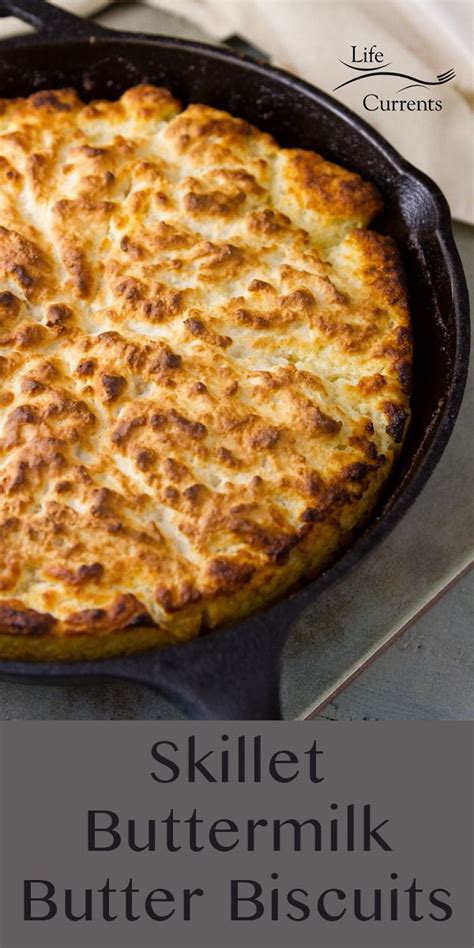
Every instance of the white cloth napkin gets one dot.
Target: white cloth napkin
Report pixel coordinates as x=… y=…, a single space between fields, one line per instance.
x=422 y=38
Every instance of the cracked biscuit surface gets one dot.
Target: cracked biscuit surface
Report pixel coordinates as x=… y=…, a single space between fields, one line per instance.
x=205 y=364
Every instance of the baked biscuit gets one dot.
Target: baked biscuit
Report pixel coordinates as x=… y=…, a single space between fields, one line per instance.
x=205 y=366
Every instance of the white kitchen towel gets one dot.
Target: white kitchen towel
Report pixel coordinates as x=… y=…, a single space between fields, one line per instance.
x=313 y=38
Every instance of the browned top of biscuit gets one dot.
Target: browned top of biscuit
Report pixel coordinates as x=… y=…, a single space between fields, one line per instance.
x=204 y=362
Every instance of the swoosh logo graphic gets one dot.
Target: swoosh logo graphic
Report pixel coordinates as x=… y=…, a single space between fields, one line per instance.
x=364 y=68
x=440 y=79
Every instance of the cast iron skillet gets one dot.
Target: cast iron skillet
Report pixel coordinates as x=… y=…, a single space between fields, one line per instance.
x=234 y=673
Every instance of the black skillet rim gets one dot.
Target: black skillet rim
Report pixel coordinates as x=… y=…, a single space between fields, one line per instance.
x=403 y=494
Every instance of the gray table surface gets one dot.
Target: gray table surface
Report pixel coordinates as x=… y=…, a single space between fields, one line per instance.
x=417 y=586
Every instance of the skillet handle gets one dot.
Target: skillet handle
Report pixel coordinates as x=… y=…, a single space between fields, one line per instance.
x=225 y=676
x=49 y=20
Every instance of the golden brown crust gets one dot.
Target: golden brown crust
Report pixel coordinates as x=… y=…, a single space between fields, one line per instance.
x=205 y=368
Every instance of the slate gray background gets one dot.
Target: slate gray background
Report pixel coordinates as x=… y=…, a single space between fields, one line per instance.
x=418 y=775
